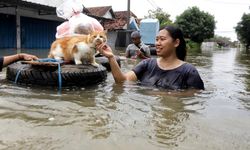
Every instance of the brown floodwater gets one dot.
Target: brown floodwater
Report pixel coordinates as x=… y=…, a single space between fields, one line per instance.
x=111 y=116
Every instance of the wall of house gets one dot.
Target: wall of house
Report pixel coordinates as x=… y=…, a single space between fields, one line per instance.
x=28 y=30
x=34 y=33
x=37 y=33
x=123 y=38
x=7 y=31
x=108 y=15
x=112 y=36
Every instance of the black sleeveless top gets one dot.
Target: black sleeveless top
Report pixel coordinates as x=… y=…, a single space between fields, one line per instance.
x=183 y=77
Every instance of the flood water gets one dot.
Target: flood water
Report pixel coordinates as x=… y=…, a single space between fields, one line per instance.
x=112 y=116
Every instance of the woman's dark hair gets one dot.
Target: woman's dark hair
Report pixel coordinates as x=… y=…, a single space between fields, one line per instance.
x=176 y=33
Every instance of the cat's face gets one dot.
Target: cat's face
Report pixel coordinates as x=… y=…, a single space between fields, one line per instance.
x=98 y=37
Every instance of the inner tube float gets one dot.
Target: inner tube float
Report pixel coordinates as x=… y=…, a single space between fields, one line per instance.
x=47 y=74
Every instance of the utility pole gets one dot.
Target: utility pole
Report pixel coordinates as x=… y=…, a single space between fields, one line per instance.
x=128 y=15
x=128 y=21
x=18 y=30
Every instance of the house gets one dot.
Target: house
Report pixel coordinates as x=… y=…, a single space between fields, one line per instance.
x=31 y=24
x=27 y=24
x=118 y=27
x=120 y=21
x=115 y=23
x=102 y=14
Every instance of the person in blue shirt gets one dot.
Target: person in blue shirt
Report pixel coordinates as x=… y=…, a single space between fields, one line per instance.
x=137 y=49
x=6 y=60
x=169 y=70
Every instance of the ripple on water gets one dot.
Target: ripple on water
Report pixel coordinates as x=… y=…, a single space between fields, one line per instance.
x=117 y=116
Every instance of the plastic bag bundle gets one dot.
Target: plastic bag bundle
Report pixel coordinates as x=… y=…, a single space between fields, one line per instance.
x=78 y=23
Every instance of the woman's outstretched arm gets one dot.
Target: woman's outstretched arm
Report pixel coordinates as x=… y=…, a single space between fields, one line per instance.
x=118 y=75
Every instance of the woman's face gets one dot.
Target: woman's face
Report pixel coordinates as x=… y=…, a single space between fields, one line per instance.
x=165 y=44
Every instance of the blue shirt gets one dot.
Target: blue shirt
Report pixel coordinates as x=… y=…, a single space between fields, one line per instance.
x=183 y=77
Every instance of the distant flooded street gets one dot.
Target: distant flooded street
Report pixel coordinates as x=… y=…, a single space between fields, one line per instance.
x=112 y=116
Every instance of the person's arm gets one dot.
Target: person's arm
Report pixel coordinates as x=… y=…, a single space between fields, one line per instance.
x=13 y=58
x=127 y=52
x=143 y=52
x=194 y=80
x=141 y=55
x=115 y=69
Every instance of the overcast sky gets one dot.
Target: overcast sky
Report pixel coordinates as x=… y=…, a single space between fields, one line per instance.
x=227 y=13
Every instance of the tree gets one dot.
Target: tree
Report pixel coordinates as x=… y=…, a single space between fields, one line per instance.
x=196 y=25
x=163 y=17
x=243 y=30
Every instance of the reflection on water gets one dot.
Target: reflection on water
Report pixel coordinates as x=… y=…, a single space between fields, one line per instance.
x=128 y=116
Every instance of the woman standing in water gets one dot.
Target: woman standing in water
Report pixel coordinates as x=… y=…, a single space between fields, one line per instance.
x=168 y=71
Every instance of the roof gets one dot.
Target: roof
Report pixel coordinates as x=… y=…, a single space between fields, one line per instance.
x=123 y=14
x=52 y=3
x=21 y=3
x=120 y=22
x=100 y=11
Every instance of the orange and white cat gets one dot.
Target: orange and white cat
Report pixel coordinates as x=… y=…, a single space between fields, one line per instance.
x=79 y=48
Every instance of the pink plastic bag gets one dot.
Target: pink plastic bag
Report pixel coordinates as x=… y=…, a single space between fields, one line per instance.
x=78 y=23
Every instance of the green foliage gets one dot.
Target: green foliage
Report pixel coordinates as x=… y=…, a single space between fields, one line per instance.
x=243 y=30
x=196 y=25
x=163 y=17
x=192 y=46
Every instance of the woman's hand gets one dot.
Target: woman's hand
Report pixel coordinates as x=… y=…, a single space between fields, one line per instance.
x=105 y=50
x=28 y=57
x=13 y=58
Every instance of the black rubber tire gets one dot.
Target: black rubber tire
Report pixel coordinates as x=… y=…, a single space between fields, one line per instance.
x=105 y=62
x=72 y=75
